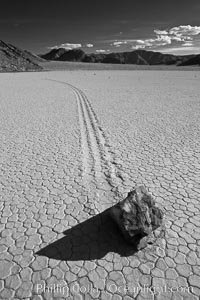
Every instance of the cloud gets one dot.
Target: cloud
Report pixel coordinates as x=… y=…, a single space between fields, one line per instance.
x=177 y=38
x=67 y=46
x=181 y=50
x=89 y=45
x=102 y=51
x=184 y=34
x=188 y=44
x=157 y=31
x=118 y=43
x=185 y=30
x=160 y=40
x=140 y=42
x=136 y=47
x=125 y=42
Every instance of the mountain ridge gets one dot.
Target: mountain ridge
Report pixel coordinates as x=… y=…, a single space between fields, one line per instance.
x=138 y=57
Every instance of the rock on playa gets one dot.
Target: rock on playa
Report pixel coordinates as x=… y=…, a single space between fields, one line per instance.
x=137 y=216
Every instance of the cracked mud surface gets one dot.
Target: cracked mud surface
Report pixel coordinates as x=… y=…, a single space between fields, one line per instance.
x=73 y=144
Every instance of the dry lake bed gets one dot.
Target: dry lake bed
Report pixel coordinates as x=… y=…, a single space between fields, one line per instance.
x=73 y=143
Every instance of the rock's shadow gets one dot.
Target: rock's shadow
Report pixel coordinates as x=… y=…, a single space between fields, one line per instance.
x=92 y=239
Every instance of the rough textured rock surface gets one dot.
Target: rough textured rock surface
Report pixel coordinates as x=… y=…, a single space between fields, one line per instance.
x=15 y=59
x=137 y=216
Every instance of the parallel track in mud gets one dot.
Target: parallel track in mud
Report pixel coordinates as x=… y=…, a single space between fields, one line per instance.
x=97 y=158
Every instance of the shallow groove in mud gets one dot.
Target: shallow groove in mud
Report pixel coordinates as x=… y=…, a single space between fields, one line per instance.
x=97 y=157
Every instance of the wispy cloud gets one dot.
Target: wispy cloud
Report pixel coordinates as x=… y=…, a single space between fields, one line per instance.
x=181 y=50
x=119 y=43
x=187 y=44
x=160 y=32
x=67 y=46
x=70 y=46
x=102 y=51
x=89 y=45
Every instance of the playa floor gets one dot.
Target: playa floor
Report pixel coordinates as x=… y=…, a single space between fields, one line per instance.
x=73 y=143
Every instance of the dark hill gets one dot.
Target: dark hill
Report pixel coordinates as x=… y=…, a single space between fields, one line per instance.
x=73 y=55
x=195 y=60
x=15 y=59
x=54 y=54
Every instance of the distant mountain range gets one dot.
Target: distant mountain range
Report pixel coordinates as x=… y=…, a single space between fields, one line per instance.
x=194 y=60
x=138 y=57
x=15 y=59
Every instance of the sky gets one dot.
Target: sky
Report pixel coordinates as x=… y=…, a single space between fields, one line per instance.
x=102 y=26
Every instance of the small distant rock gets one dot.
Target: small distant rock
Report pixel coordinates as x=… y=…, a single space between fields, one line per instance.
x=138 y=217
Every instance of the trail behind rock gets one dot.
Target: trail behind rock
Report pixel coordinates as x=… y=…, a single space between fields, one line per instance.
x=98 y=164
